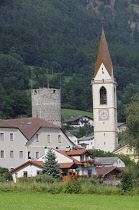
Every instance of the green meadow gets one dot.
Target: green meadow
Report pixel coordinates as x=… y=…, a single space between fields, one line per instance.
x=67 y=113
x=38 y=200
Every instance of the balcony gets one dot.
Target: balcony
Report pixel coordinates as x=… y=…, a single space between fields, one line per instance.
x=88 y=163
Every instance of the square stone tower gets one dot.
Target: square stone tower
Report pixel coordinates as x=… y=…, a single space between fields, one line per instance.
x=46 y=104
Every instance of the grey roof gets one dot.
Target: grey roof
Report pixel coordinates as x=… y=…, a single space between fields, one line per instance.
x=72 y=119
x=120 y=124
x=69 y=134
x=86 y=138
x=106 y=160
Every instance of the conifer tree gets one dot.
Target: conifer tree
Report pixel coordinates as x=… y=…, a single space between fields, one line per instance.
x=51 y=167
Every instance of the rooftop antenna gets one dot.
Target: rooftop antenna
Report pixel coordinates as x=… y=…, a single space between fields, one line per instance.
x=48 y=83
x=31 y=80
x=102 y=22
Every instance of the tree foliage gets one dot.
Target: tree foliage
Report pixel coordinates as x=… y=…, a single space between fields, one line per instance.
x=5 y=175
x=131 y=134
x=51 y=167
x=126 y=181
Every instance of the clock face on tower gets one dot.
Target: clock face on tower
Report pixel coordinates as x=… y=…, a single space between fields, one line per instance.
x=103 y=114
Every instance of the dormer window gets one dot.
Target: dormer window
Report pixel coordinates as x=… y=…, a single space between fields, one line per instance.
x=103 y=95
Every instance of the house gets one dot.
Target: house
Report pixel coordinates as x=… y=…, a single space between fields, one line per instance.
x=33 y=168
x=71 y=162
x=88 y=166
x=25 y=139
x=110 y=161
x=110 y=175
x=86 y=141
x=28 y=169
x=121 y=127
x=127 y=150
x=78 y=121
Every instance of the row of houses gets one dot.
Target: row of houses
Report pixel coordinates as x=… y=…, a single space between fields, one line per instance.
x=73 y=162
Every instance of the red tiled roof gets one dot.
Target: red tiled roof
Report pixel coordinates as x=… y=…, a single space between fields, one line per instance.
x=65 y=154
x=67 y=165
x=105 y=170
x=29 y=126
x=77 y=152
x=41 y=164
x=124 y=168
x=5 y=124
x=97 y=163
x=103 y=56
x=30 y=162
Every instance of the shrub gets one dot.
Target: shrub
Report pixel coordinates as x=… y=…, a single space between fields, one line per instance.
x=26 y=180
x=73 y=188
x=55 y=189
x=5 y=175
x=126 y=181
x=44 y=179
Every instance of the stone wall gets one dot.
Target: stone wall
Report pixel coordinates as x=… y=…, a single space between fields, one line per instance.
x=46 y=104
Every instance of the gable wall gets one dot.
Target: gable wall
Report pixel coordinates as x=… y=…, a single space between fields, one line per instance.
x=34 y=146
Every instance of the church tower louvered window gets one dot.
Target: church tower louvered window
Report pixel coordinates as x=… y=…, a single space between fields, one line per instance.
x=103 y=95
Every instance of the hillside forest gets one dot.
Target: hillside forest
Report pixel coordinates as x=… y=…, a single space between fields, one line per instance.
x=52 y=43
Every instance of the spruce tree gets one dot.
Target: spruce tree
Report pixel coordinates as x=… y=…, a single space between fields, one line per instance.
x=51 y=167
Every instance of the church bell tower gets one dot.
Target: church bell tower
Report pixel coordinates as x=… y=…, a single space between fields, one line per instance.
x=104 y=100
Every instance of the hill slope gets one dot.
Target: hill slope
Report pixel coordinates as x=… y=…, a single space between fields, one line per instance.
x=61 y=38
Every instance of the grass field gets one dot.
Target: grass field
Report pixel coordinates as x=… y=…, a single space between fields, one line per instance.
x=35 y=200
x=67 y=113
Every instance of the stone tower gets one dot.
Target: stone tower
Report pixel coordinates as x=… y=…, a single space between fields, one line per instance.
x=104 y=100
x=46 y=104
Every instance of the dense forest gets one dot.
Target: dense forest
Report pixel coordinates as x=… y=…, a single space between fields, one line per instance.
x=52 y=43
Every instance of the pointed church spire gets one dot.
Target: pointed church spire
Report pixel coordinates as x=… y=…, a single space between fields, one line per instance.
x=103 y=55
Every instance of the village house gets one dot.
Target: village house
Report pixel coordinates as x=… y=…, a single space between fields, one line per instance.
x=78 y=121
x=110 y=161
x=127 y=150
x=87 y=142
x=25 y=139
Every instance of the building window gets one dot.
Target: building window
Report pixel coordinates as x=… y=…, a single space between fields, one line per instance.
x=25 y=173
x=48 y=139
x=59 y=138
x=38 y=173
x=2 y=153
x=1 y=136
x=11 y=154
x=89 y=172
x=37 y=137
x=11 y=136
x=37 y=155
x=103 y=95
x=21 y=154
x=29 y=155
